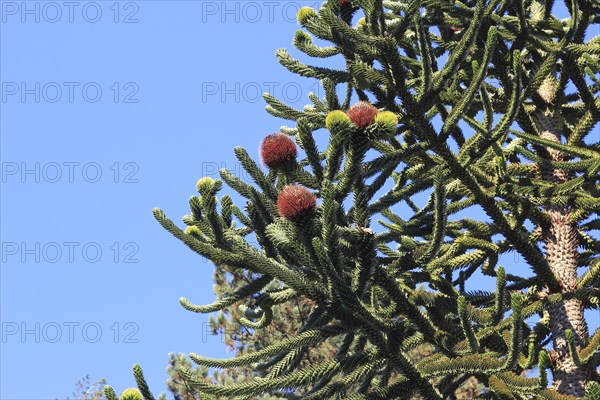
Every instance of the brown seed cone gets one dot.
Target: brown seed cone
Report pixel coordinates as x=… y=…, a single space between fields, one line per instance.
x=362 y=114
x=278 y=150
x=295 y=201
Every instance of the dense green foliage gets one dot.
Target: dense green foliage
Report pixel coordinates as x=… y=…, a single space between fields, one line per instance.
x=514 y=91
x=287 y=319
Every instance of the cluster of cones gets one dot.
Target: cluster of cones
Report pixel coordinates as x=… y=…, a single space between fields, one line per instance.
x=278 y=151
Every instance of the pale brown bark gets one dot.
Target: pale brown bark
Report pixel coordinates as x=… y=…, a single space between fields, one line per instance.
x=561 y=242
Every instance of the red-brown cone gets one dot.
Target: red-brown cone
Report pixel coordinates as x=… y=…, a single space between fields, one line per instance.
x=343 y=2
x=278 y=150
x=295 y=201
x=362 y=114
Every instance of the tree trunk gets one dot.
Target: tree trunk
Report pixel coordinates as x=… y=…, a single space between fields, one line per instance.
x=561 y=242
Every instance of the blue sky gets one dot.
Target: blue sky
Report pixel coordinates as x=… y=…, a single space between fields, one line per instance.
x=108 y=110
x=189 y=78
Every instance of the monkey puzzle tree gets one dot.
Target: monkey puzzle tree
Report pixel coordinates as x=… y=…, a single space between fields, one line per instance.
x=481 y=105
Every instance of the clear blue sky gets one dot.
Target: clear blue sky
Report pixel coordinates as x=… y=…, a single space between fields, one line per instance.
x=109 y=109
